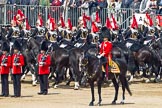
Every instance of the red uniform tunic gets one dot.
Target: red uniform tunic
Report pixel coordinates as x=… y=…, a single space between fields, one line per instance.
x=106 y=48
x=17 y=63
x=45 y=67
x=5 y=62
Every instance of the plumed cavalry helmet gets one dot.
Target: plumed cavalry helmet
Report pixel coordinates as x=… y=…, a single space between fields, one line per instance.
x=5 y=47
x=105 y=33
x=44 y=46
x=17 y=45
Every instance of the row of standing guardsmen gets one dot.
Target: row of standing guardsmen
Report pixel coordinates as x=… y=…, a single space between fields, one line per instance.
x=15 y=62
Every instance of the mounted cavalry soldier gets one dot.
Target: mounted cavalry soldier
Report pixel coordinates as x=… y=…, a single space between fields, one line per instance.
x=158 y=26
x=20 y=17
x=26 y=29
x=44 y=63
x=68 y=38
x=5 y=63
x=132 y=30
x=12 y=29
x=39 y=30
x=17 y=63
x=149 y=27
x=51 y=30
x=105 y=52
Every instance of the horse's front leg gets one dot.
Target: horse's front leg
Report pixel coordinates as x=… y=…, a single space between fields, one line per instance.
x=92 y=93
x=52 y=70
x=116 y=85
x=99 y=83
x=31 y=68
x=122 y=80
x=58 y=76
x=71 y=78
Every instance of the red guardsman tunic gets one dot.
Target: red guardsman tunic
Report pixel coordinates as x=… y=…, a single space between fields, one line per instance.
x=17 y=63
x=44 y=65
x=5 y=62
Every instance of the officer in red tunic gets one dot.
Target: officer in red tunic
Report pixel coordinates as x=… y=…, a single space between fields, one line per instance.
x=44 y=62
x=105 y=52
x=5 y=63
x=17 y=63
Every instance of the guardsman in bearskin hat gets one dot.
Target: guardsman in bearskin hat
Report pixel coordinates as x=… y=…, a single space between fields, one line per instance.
x=17 y=63
x=105 y=50
x=5 y=63
x=44 y=63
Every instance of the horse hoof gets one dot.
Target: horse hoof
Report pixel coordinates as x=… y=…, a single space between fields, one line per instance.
x=122 y=102
x=76 y=88
x=111 y=84
x=156 y=80
x=67 y=83
x=147 y=81
x=91 y=104
x=130 y=79
x=99 y=104
x=113 y=102
x=34 y=85
x=55 y=86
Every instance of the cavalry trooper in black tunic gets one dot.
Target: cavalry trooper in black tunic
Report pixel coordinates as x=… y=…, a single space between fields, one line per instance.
x=38 y=32
x=11 y=30
x=35 y=30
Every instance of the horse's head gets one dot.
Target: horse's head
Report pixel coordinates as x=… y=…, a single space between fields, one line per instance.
x=83 y=59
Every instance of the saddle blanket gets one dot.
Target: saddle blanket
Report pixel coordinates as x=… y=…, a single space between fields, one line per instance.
x=114 y=68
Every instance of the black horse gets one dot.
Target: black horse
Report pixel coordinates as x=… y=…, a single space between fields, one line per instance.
x=145 y=58
x=30 y=53
x=92 y=67
x=59 y=62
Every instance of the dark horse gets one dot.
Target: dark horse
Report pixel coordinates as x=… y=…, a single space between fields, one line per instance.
x=92 y=67
x=146 y=58
x=59 y=61
x=30 y=53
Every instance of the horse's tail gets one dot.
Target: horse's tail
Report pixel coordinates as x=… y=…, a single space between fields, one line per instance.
x=127 y=87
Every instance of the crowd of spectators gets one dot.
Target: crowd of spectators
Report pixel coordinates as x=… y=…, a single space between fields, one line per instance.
x=139 y=6
x=117 y=4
